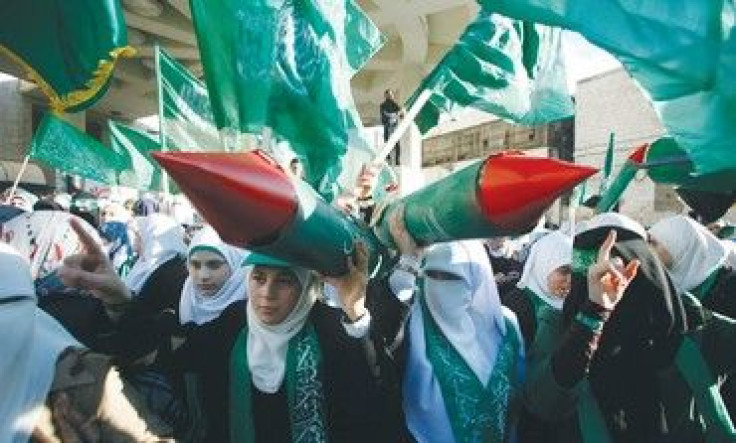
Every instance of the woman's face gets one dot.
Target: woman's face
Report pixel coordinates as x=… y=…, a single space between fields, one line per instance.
x=559 y=282
x=209 y=271
x=273 y=293
x=661 y=251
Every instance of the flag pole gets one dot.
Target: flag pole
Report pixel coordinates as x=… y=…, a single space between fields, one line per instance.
x=161 y=132
x=406 y=122
x=17 y=179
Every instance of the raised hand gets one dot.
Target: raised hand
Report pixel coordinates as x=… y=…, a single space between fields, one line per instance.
x=91 y=270
x=608 y=278
x=351 y=287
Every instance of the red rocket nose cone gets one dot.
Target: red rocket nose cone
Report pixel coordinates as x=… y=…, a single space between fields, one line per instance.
x=246 y=197
x=639 y=154
x=515 y=190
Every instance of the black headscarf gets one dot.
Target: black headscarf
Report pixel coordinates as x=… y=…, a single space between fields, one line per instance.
x=640 y=338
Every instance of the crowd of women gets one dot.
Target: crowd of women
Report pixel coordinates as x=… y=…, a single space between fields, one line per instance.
x=146 y=332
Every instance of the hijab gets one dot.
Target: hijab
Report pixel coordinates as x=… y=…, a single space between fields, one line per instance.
x=194 y=307
x=695 y=251
x=469 y=314
x=640 y=338
x=613 y=220
x=547 y=254
x=161 y=240
x=32 y=342
x=268 y=344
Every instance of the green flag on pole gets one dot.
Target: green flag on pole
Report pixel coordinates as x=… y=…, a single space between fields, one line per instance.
x=68 y=48
x=505 y=67
x=287 y=66
x=62 y=146
x=681 y=52
x=186 y=120
x=615 y=189
x=138 y=145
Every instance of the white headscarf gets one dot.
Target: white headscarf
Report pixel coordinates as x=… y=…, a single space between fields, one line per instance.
x=161 y=240
x=194 y=307
x=31 y=344
x=470 y=315
x=613 y=219
x=268 y=344
x=695 y=252
x=465 y=310
x=547 y=254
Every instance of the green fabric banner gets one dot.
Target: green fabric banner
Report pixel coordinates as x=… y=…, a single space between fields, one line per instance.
x=505 y=67
x=286 y=65
x=138 y=146
x=186 y=115
x=68 y=48
x=681 y=52
x=62 y=146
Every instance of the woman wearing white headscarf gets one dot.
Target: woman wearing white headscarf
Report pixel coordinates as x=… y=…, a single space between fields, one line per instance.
x=159 y=273
x=465 y=354
x=544 y=284
x=537 y=303
x=42 y=360
x=298 y=369
x=547 y=269
x=216 y=278
x=696 y=261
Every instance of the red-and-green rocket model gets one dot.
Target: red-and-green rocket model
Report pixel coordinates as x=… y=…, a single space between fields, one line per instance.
x=252 y=203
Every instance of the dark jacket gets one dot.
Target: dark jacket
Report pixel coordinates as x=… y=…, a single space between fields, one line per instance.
x=362 y=393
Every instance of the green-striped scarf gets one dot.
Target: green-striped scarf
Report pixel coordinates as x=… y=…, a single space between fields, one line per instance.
x=477 y=413
x=303 y=389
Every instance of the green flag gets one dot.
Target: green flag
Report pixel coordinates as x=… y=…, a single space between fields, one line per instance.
x=186 y=116
x=364 y=39
x=138 y=146
x=285 y=65
x=62 y=146
x=681 y=52
x=505 y=67
x=68 y=48
x=608 y=164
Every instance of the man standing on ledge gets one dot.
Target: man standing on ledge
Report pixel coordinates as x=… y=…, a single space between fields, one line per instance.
x=390 y=114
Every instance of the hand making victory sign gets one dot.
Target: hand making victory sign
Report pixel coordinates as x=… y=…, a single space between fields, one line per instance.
x=608 y=278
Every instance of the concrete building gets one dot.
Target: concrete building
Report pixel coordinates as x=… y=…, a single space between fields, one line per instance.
x=611 y=102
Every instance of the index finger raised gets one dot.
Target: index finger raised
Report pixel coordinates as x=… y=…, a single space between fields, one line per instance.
x=604 y=253
x=88 y=242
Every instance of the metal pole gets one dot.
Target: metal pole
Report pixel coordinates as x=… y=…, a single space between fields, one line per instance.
x=17 y=180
